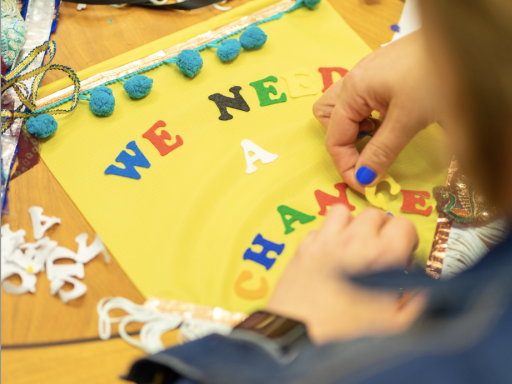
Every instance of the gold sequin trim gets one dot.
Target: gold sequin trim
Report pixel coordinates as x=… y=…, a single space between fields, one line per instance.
x=194 y=311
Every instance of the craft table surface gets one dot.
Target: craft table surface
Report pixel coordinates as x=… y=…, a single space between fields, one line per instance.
x=85 y=38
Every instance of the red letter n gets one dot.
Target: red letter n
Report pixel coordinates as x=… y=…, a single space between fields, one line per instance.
x=327 y=75
x=325 y=200
x=159 y=140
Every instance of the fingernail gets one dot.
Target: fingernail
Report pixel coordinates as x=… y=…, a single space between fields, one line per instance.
x=365 y=175
x=363 y=134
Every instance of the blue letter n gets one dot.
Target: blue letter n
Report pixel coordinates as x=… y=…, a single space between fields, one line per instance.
x=130 y=162
x=262 y=257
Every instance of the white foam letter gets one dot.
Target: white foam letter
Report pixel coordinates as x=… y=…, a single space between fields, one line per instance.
x=36 y=214
x=259 y=154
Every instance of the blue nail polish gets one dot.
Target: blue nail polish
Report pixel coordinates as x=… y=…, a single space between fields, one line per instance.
x=365 y=175
x=390 y=214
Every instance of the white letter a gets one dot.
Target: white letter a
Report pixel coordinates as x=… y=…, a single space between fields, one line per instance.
x=259 y=154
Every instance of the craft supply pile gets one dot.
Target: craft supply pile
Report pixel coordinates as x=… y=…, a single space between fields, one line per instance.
x=27 y=260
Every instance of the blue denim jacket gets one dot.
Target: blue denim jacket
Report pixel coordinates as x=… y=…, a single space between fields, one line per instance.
x=463 y=337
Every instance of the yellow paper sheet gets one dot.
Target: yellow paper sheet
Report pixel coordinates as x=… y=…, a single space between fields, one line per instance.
x=180 y=232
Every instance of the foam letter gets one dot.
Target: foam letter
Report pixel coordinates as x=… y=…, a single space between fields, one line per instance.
x=35 y=254
x=264 y=92
x=159 y=140
x=262 y=258
x=259 y=154
x=28 y=280
x=325 y=200
x=327 y=75
x=295 y=215
x=298 y=83
x=54 y=271
x=86 y=253
x=79 y=288
x=250 y=294
x=411 y=199
x=377 y=199
x=130 y=162
x=11 y=240
x=223 y=102
x=37 y=217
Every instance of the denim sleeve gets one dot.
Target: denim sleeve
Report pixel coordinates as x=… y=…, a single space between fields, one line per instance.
x=238 y=358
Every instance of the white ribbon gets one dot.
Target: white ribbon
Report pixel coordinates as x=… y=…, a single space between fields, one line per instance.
x=155 y=324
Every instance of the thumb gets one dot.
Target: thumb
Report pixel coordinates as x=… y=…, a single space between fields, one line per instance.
x=384 y=147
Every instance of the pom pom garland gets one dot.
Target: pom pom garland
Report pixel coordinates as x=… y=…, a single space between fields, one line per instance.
x=253 y=38
x=189 y=62
x=102 y=102
x=138 y=86
x=42 y=126
x=229 y=49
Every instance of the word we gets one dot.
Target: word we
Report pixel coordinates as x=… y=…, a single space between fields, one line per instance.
x=289 y=216
x=139 y=160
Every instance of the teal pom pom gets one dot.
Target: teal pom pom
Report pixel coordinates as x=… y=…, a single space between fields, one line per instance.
x=189 y=62
x=101 y=89
x=42 y=126
x=138 y=86
x=102 y=101
x=229 y=49
x=311 y=3
x=253 y=38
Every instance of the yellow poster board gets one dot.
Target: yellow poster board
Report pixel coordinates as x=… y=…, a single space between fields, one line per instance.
x=181 y=231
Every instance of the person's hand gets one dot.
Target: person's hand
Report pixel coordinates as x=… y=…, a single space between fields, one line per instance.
x=394 y=81
x=312 y=288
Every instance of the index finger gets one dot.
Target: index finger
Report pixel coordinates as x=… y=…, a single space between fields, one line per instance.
x=342 y=135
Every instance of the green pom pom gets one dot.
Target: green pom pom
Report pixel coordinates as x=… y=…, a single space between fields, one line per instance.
x=189 y=62
x=42 y=126
x=102 y=101
x=138 y=86
x=253 y=38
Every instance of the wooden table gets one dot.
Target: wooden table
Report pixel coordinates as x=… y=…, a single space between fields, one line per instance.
x=85 y=38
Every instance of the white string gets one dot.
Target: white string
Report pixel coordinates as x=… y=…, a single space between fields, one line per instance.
x=155 y=324
x=107 y=304
x=151 y=333
x=222 y=8
x=193 y=329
